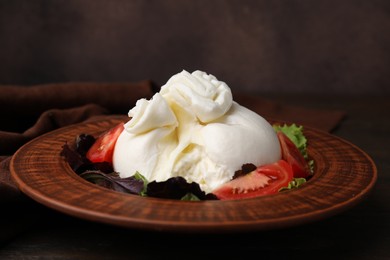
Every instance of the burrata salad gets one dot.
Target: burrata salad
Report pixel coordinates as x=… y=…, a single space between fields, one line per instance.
x=192 y=141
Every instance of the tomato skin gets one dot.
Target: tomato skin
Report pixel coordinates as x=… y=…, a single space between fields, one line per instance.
x=293 y=156
x=266 y=179
x=103 y=148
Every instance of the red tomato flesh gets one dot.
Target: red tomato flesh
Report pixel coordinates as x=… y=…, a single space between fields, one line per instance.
x=103 y=148
x=293 y=156
x=266 y=179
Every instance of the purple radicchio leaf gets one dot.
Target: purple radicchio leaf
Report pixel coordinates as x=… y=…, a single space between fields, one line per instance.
x=113 y=182
x=83 y=143
x=176 y=188
x=245 y=169
x=74 y=159
x=79 y=162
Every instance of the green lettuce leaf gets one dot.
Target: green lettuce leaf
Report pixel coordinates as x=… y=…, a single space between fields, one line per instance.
x=295 y=183
x=295 y=134
x=190 y=197
x=138 y=176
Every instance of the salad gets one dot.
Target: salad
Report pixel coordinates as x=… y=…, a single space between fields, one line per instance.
x=192 y=141
x=91 y=158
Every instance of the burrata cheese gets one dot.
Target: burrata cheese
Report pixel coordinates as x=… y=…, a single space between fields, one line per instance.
x=193 y=128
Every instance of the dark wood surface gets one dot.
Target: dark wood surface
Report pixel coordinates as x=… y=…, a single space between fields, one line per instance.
x=362 y=232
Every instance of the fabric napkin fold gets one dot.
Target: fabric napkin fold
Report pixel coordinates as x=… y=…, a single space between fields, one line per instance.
x=28 y=112
x=22 y=105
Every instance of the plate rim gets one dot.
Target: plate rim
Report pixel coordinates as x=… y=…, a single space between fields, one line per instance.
x=163 y=225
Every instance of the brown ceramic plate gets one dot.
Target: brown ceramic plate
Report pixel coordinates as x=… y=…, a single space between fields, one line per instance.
x=344 y=175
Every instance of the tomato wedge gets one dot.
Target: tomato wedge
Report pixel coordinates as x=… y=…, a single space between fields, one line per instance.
x=103 y=148
x=266 y=179
x=293 y=156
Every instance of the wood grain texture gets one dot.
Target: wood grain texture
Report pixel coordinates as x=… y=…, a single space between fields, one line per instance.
x=344 y=175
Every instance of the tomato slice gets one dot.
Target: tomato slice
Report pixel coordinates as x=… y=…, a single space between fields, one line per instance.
x=266 y=179
x=103 y=148
x=293 y=156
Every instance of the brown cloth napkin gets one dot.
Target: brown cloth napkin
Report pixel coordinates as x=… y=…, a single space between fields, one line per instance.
x=28 y=112
x=22 y=105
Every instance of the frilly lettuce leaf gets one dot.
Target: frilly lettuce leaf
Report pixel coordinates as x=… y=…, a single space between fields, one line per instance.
x=295 y=183
x=295 y=134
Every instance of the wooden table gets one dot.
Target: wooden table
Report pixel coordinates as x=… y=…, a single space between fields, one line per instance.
x=362 y=232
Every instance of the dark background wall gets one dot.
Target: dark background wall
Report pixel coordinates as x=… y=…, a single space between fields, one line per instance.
x=318 y=46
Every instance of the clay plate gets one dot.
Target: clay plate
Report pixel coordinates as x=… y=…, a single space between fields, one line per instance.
x=343 y=176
